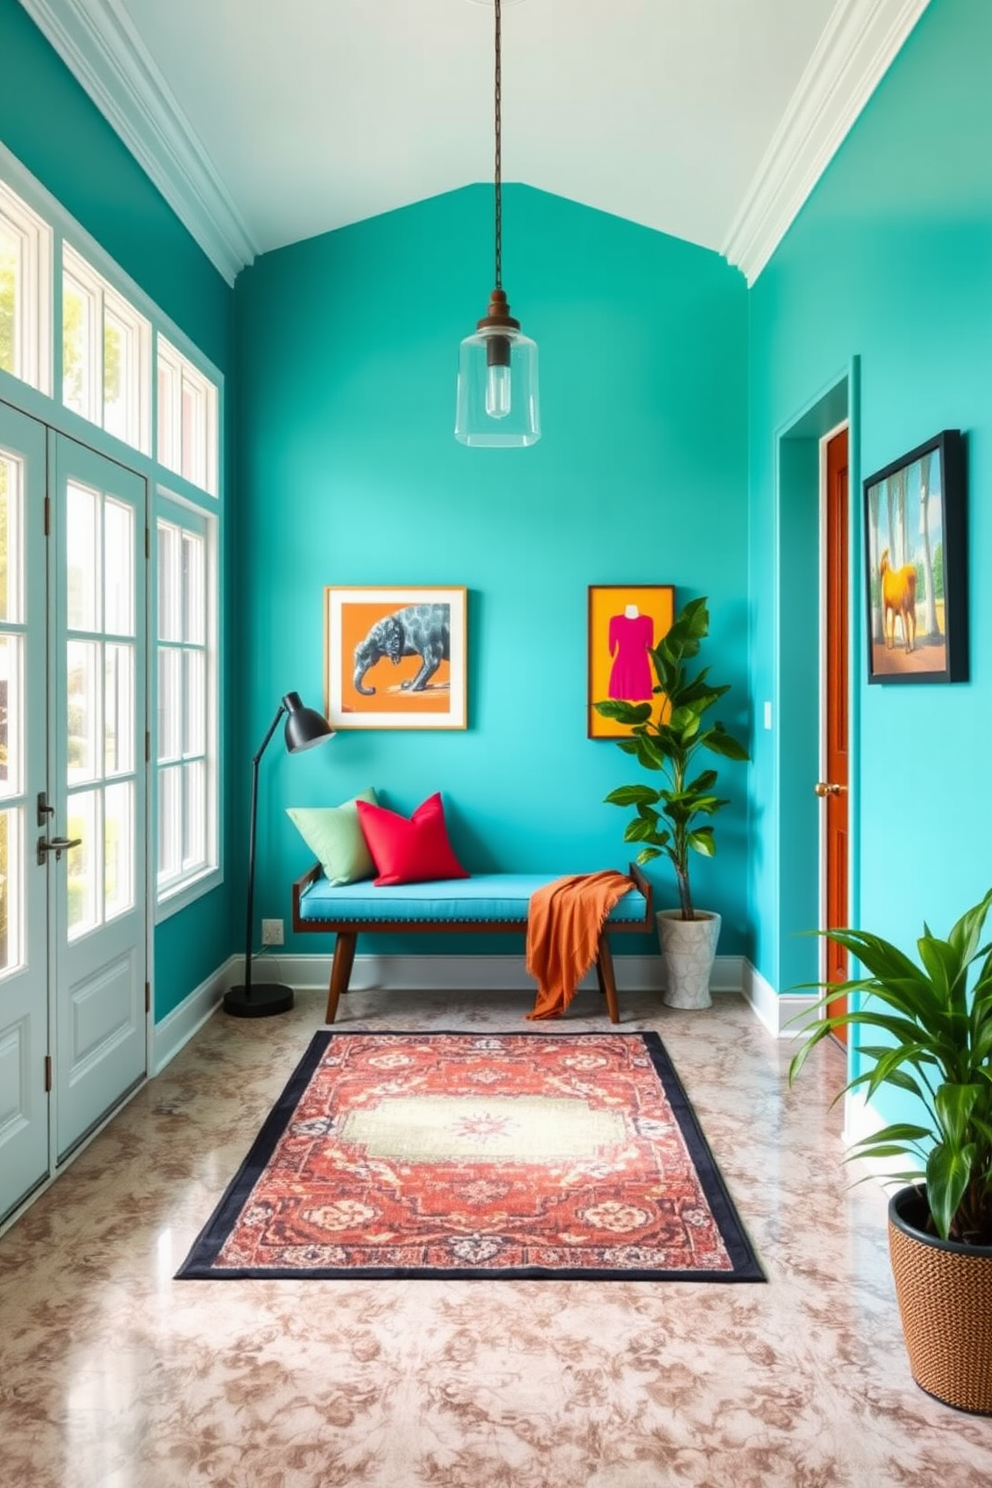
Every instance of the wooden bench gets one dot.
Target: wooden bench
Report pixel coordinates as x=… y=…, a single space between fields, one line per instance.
x=486 y=902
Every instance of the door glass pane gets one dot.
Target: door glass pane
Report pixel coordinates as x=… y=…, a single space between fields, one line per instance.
x=169 y=704
x=82 y=868
x=169 y=823
x=169 y=605
x=83 y=710
x=118 y=547
x=11 y=878
x=193 y=598
x=10 y=272
x=82 y=557
x=119 y=704
x=118 y=848
x=11 y=714
x=11 y=575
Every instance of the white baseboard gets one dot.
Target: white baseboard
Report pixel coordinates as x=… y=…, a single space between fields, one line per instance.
x=179 y=1026
x=780 y=1013
x=464 y=973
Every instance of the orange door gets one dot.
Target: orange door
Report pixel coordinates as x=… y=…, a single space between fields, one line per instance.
x=834 y=788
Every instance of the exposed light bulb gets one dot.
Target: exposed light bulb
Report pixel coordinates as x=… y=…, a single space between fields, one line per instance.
x=497 y=392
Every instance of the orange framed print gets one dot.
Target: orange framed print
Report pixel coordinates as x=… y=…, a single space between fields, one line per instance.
x=395 y=658
x=625 y=622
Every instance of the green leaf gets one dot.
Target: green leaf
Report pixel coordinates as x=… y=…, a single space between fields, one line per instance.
x=640 y=830
x=720 y=742
x=942 y=963
x=701 y=841
x=633 y=795
x=967 y=932
x=623 y=712
x=648 y=754
x=955 y=1104
x=948 y=1173
x=685 y=723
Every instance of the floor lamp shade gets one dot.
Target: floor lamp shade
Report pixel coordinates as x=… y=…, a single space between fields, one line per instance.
x=305 y=727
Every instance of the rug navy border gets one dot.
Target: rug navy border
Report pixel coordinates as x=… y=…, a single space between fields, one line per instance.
x=199 y=1264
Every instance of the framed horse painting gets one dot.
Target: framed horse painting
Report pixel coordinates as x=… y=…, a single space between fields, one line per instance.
x=395 y=658
x=916 y=563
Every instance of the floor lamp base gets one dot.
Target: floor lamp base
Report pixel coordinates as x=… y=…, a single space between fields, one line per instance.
x=260 y=1000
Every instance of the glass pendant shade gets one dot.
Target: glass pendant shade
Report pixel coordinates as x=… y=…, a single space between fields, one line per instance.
x=498 y=403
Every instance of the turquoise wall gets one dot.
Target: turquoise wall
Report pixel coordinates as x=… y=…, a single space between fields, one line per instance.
x=888 y=269
x=350 y=474
x=49 y=123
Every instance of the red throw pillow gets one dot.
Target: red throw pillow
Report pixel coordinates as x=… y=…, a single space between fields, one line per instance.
x=409 y=851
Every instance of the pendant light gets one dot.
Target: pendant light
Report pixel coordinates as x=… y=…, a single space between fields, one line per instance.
x=498 y=401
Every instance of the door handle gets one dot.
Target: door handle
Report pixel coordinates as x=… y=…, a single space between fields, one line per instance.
x=828 y=788
x=56 y=845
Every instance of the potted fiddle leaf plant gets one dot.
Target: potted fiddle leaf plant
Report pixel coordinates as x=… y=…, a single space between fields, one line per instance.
x=674 y=819
x=933 y=1022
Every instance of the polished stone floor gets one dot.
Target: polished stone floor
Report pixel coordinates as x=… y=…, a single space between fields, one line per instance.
x=114 y=1375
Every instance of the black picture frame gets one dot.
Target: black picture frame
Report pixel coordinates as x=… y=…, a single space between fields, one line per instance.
x=916 y=617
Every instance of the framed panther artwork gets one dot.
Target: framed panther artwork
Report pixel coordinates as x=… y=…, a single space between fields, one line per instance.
x=395 y=658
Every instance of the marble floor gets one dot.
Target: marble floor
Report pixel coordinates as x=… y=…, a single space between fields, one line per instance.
x=113 y=1375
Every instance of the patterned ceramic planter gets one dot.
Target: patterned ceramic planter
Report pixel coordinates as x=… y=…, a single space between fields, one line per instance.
x=688 y=947
x=944 y=1292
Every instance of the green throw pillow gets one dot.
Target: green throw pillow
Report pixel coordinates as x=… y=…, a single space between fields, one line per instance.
x=334 y=835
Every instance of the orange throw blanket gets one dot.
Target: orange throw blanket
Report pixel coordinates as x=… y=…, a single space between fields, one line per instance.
x=563 y=929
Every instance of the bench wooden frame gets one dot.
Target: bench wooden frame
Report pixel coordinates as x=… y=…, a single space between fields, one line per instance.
x=347 y=932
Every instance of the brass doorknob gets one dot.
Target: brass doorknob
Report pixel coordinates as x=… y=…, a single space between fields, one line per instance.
x=827 y=788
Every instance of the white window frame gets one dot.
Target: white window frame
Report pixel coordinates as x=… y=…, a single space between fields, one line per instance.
x=56 y=229
x=171 y=431
x=193 y=880
x=33 y=303
x=105 y=299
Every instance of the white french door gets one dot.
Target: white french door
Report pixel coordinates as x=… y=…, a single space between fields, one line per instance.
x=72 y=639
x=24 y=1007
x=96 y=887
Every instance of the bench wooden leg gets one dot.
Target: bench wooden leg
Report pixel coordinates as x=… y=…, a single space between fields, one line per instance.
x=605 y=977
x=344 y=960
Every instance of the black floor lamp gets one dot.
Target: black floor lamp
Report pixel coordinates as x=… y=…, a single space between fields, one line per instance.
x=304 y=728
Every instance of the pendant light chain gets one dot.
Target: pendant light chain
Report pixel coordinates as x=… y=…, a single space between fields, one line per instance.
x=498 y=168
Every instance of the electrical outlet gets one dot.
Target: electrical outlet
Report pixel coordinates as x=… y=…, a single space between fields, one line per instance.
x=272 y=932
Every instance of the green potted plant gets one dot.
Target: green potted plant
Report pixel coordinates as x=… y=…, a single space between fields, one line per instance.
x=934 y=1023
x=673 y=820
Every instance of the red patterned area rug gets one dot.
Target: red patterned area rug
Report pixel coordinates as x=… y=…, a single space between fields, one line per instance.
x=468 y=1155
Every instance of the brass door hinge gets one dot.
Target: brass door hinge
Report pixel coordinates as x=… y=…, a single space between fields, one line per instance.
x=48 y=516
x=148 y=997
x=48 y=1074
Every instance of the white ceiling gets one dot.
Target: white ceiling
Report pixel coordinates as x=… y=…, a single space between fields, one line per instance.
x=264 y=123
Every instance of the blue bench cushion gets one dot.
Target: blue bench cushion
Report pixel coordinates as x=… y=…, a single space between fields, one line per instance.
x=483 y=897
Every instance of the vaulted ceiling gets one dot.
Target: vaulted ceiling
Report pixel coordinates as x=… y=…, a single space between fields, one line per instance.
x=263 y=123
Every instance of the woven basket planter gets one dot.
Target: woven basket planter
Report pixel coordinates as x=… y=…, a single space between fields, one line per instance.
x=944 y=1292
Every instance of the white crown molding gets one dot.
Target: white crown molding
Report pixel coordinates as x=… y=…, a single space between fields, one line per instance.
x=857 y=47
x=98 y=42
